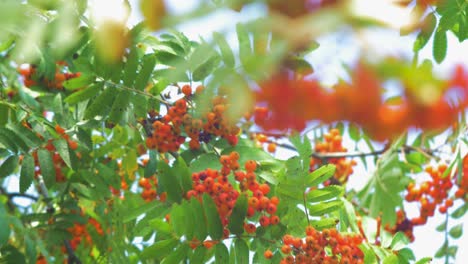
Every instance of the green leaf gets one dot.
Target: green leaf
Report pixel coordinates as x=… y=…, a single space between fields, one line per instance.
x=140 y=105
x=460 y=211
x=425 y=260
x=299 y=65
x=303 y=146
x=208 y=160
x=47 y=166
x=442 y=251
x=177 y=255
x=161 y=226
x=391 y=259
x=226 y=51
x=242 y=251
x=206 y=68
x=61 y=146
x=27 y=135
x=405 y=255
x=326 y=193
x=84 y=94
x=8 y=166
x=130 y=68
x=221 y=254
x=324 y=223
x=439 y=50
x=320 y=175
x=324 y=208
x=215 y=227
x=182 y=172
x=200 y=232
x=11 y=139
x=159 y=249
x=456 y=231
x=136 y=212
x=425 y=34
x=5 y=230
x=79 y=82
x=4 y=113
x=119 y=106
x=101 y=105
x=179 y=216
x=245 y=48
x=239 y=212
x=27 y=173
x=351 y=215
x=441 y=227
x=148 y=62
x=169 y=183
x=198 y=255
x=399 y=241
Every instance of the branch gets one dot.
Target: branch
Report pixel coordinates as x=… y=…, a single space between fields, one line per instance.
x=23 y=195
x=355 y=154
x=72 y=258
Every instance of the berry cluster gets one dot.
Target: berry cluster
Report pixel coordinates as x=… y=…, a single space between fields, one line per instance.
x=80 y=233
x=169 y=132
x=31 y=78
x=463 y=183
x=217 y=185
x=262 y=140
x=150 y=187
x=403 y=224
x=291 y=102
x=326 y=246
x=431 y=194
x=344 y=166
x=57 y=160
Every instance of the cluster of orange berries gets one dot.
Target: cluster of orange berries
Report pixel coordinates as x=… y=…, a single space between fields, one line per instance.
x=150 y=186
x=57 y=160
x=166 y=132
x=463 y=184
x=431 y=194
x=292 y=102
x=29 y=74
x=262 y=140
x=344 y=166
x=403 y=224
x=80 y=233
x=314 y=248
x=217 y=185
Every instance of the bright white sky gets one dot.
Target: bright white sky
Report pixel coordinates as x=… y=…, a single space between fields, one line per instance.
x=335 y=50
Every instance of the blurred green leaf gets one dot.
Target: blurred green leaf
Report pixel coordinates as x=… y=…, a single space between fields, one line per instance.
x=215 y=227
x=221 y=254
x=47 y=167
x=242 y=251
x=159 y=249
x=324 y=208
x=239 y=212
x=27 y=173
x=456 y=231
x=439 y=50
x=8 y=166
x=226 y=51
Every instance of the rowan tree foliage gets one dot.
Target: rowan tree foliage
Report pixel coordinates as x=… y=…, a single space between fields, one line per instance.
x=139 y=145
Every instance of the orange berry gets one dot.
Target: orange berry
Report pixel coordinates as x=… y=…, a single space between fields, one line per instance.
x=268 y=254
x=187 y=90
x=271 y=147
x=250 y=165
x=286 y=249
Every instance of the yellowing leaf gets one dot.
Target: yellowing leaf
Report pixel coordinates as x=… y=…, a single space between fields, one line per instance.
x=153 y=11
x=111 y=39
